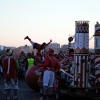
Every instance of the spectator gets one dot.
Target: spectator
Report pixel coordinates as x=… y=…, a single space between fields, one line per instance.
x=30 y=61
x=1 y=68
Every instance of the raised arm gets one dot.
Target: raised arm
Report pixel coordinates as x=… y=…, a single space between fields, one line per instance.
x=48 y=42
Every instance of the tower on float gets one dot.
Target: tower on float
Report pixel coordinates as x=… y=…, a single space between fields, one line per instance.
x=81 y=53
x=97 y=53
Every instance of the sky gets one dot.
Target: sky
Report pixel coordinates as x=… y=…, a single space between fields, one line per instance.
x=43 y=20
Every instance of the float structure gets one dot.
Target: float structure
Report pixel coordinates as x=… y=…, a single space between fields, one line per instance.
x=81 y=53
x=97 y=53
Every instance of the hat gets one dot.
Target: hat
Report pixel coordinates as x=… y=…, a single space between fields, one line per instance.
x=51 y=51
x=9 y=52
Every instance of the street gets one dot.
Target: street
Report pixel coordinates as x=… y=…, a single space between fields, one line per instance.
x=24 y=92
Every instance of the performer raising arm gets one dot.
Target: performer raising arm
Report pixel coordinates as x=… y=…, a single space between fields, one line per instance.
x=37 y=46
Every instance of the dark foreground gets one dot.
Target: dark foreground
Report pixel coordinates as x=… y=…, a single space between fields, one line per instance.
x=25 y=93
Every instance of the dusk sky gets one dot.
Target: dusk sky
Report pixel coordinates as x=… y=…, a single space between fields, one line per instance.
x=43 y=20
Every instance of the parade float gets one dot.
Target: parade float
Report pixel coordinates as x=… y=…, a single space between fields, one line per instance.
x=85 y=83
x=80 y=81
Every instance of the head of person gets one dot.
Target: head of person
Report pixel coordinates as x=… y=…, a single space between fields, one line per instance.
x=43 y=45
x=51 y=52
x=70 y=39
x=42 y=52
x=56 y=54
x=9 y=52
x=29 y=55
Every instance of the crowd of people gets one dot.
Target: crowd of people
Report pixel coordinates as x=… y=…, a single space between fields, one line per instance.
x=13 y=68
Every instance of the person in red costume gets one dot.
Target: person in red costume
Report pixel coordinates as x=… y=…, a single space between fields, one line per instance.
x=10 y=76
x=38 y=46
x=50 y=66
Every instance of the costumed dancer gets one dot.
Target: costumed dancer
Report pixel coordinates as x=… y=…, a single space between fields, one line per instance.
x=70 y=39
x=69 y=57
x=10 y=74
x=38 y=46
x=50 y=66
x=97 y=53
x=81 y=53
x=71 y=61
x=70 y=52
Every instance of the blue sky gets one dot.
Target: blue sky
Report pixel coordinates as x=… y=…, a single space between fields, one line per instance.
x=43 y=20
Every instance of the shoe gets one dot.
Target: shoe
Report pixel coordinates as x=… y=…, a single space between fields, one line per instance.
x=26 y=37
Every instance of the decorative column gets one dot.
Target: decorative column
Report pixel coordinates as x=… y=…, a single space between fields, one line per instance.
x=81 y=53
x=97 y=53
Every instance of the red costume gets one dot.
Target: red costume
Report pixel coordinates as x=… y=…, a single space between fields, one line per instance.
x=50 y=63
x=10 y=75
x=38 y=47
x=10 y=72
